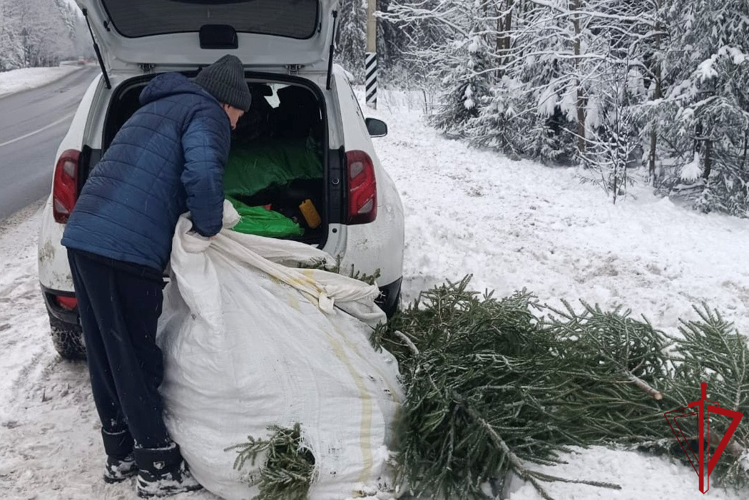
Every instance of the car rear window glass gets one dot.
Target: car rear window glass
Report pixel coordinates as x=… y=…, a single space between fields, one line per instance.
x=286 y=18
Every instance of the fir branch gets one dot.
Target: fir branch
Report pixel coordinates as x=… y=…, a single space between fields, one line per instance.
x=517 y=464
x=289 y=467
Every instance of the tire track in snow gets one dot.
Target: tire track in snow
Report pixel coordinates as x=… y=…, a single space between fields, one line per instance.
x=44 y=403
x=22 y=313
x=50 y=445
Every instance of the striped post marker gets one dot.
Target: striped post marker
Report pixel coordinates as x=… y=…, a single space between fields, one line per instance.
x=371 y=80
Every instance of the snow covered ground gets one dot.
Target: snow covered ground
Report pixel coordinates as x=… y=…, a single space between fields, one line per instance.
x=29 y=78
x=511 y=224
x=518 y=224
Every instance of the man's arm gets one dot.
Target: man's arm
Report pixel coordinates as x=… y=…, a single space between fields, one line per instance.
x=206 y=145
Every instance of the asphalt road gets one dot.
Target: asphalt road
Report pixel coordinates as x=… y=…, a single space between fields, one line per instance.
x=32 y=124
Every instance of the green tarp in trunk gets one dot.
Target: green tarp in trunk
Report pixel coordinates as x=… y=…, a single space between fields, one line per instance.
x=257 y=166
x=262 y=222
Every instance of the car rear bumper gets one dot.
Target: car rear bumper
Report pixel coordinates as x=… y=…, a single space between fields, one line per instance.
x=55 y=310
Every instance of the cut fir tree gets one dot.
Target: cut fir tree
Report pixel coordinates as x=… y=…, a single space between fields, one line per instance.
x=493 y=385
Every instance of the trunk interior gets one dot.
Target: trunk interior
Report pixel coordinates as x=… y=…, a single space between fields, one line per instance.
x=277 y=165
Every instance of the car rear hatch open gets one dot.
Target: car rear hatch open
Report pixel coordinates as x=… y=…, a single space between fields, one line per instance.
x=190 y=33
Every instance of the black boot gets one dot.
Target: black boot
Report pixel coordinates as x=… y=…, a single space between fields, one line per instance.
x=163 y=472
x=120 y=462
x=118 y=469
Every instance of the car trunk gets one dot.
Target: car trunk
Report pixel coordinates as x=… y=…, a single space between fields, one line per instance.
x=186 y=33
x=277 y=164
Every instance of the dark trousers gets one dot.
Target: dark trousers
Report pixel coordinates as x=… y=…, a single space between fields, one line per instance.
x=119 y=305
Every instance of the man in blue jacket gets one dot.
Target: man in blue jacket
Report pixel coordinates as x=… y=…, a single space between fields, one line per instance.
x=167 y=159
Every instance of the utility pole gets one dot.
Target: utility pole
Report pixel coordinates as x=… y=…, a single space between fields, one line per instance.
x=371 y=55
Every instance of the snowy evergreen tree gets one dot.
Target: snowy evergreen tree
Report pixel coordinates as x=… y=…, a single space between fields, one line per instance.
x=652 y=50
x=352 y=37
x=457 y=55
x=553 y=68
x=392 y=38
x=531 y=78
x=705 y=110
x=466 y=85
x=533 y=108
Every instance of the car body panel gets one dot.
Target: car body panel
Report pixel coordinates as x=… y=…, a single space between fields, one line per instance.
x=54 y=271
x=378 y=245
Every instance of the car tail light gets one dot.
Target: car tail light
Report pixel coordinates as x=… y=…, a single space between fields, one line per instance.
x=65 y=188
x=362 y=188
x=69 y=303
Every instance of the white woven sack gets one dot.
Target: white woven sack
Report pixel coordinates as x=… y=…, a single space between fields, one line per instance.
x=250 y=341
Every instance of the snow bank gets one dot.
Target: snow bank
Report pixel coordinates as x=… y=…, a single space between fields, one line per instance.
x=18 y=80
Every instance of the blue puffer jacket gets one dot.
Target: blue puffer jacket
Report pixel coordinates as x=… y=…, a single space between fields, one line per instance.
x=168 y=158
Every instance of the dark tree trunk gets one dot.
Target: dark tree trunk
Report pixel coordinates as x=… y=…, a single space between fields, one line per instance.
x=658 y=95
x=575 y=7
x=708 y=159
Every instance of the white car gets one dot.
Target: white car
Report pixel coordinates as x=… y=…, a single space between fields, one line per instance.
x=297 y=94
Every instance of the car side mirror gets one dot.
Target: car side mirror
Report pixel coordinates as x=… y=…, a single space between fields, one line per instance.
x=376 y=128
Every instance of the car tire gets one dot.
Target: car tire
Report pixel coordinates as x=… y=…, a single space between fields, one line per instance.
x=394 y=306
x=67 y=339
x=395 y=310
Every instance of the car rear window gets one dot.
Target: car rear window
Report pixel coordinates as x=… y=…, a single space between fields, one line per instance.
x=286 y=18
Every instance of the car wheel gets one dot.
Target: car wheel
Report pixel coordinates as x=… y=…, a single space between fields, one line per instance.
x=390 y=299
x=395 y=307
x=68 y=339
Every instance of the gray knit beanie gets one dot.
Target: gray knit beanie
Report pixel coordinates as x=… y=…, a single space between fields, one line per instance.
x=225 y=81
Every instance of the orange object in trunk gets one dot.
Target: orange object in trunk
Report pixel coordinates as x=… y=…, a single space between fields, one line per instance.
x=310 y=214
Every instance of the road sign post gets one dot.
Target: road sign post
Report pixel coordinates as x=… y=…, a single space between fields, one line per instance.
x=371 y=56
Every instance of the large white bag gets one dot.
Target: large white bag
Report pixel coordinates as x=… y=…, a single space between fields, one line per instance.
x=250 y=340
